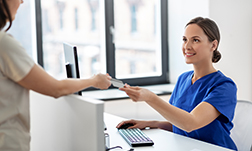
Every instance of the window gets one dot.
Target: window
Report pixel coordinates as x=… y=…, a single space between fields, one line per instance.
x=125 y=38
x=76 y=18
x=25 y=27
x=73 y=22
x=133 y=18
x=137 y=47
x=61 y=6
x=138 y=42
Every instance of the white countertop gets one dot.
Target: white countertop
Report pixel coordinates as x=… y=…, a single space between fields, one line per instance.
x=111 y=94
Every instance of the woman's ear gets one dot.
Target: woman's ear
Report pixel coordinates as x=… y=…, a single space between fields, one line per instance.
x=214 y=45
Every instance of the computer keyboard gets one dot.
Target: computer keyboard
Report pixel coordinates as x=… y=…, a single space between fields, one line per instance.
x=135 y=137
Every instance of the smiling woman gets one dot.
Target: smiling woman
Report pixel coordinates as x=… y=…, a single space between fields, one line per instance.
x=200 y=43
x=203 y=101
x=211 y=30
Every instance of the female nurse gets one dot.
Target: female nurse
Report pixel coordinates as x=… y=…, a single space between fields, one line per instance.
x=18 y=75
x=203 y=102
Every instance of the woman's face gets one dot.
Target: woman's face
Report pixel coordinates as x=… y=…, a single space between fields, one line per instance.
x=13 y=6
x=197 y=49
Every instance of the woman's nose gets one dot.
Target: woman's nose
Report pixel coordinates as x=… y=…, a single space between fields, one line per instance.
x=187 y=45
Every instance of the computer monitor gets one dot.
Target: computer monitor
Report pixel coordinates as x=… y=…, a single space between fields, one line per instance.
x=71 y=62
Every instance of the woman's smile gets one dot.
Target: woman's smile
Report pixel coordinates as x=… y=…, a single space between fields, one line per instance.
x=189 y=54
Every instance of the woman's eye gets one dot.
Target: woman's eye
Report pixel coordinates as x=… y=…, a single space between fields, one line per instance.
x=196 y=40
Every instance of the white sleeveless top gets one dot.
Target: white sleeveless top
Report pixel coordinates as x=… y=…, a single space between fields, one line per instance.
x=15 y=64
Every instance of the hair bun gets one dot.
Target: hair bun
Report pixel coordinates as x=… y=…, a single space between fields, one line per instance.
x=216 y=56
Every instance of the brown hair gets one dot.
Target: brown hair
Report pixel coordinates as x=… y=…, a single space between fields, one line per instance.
x=211 y=30
x=5 y=15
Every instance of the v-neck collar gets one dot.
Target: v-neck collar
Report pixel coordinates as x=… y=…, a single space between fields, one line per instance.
x=205 y=76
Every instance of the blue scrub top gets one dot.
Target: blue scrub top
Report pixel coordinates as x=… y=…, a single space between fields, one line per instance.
x=220 y=92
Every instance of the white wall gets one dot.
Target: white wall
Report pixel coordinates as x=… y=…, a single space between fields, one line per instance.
x=234 y=18
x=180 y=13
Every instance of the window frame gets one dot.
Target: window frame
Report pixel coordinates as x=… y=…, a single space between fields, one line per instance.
x=110 y=47
x=38 y=18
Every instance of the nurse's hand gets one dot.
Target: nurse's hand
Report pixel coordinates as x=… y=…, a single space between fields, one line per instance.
x=137 y=93
x=137 y=124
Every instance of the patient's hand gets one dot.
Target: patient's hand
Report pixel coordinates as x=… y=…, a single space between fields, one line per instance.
x=101 y=81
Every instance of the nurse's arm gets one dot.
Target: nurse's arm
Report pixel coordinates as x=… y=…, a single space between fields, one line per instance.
x=200 y=116
x=40 y=81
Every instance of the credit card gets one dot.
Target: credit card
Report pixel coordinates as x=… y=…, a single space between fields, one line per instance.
x=117 y=83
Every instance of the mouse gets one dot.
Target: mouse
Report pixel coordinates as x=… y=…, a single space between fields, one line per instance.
x=125 y=126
